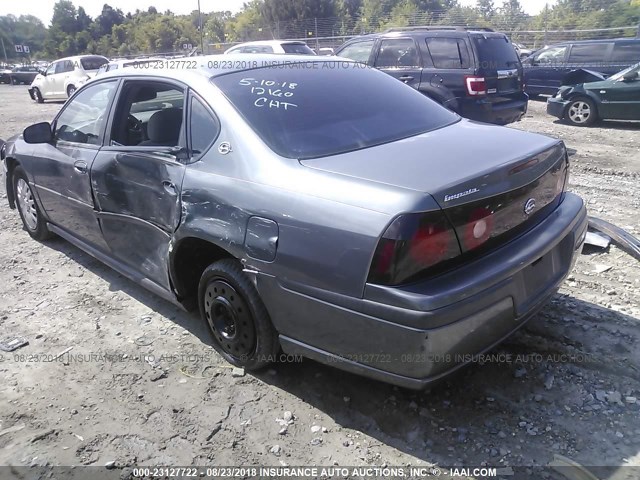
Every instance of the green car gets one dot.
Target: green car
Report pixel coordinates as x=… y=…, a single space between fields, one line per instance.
x=616 y=98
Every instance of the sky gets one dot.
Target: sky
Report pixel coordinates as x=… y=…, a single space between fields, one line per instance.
x=43 y=9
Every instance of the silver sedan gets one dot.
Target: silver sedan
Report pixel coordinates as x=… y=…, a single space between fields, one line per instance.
x=310 y=205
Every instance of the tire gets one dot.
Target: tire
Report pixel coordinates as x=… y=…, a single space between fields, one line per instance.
x=581 y=112
x=71 y=89
x=237 y=319
x=30 y=214
x=14 y=81
x=37 y=95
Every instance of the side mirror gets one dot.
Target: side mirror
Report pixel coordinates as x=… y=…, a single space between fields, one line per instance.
x=42 y=72
x=38 y=133
x=630 y=76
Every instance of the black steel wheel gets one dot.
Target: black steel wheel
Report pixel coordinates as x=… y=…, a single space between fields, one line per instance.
x=237 y=319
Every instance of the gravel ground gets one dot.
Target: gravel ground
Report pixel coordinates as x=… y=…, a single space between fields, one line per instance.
x=569 y=384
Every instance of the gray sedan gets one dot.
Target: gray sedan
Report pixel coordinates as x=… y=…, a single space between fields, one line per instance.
x=309 y=205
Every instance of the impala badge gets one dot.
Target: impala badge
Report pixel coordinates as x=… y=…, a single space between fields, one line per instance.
x=530 y=206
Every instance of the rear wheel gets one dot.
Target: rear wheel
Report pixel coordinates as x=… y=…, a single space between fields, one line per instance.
x=30 y=214
x=581 y=112
x=37 y=95
x=237 y=319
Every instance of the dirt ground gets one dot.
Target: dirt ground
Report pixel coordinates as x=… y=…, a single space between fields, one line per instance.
x=113 y=374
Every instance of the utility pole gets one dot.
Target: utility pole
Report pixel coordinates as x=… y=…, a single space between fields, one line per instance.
x=6 y=60
x=546 y=14
x=200 y=28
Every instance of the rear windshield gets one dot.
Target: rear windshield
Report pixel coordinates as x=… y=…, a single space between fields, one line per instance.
x=93 y=63
x=315 y=109
x=496 y=52
x=297 y=48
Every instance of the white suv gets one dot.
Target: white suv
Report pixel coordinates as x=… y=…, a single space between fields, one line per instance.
x=62 y=77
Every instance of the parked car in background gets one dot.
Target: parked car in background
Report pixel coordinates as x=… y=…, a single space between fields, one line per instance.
x=18 y=75
x=288 y=47
x=522 y=51
x=326 y=51
x=474 y=73
x=134 y=63
x=5 y=73
x=616 y=98
x=62 y=77
x=545 y=70
x=340 y=203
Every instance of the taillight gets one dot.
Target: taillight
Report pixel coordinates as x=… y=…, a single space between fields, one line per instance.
x=475 y=85
x=413 y=244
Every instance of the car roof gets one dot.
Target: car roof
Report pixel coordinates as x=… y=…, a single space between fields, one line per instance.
x=420 y=32
x=124 y=61
x=270 y=42
x=78 y=57
x=214 y=65
x=599 y=40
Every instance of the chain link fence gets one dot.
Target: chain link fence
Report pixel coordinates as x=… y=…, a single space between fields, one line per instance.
x=332 y=32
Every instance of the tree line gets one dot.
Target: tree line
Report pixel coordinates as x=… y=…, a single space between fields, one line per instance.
x=115 y=33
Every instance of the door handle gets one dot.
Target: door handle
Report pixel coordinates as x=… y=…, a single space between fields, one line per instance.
x=80 y=167
x=169 y=187
x=406 y=78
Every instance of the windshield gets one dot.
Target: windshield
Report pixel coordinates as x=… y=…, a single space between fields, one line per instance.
x=621 y=74
x=496 y=52
x=297 y=48
x=315 y=109
x=93 y=63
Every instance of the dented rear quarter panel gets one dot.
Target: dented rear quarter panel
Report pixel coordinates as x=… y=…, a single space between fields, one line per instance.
x=328 y=224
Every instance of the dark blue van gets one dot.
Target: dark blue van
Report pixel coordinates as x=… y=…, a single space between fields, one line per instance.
x=545 y=70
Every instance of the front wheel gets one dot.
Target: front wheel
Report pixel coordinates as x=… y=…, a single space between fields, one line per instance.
x=237 y=319
x=71 y=89
x=30 y=214
x=37 y=95
x=581 y=112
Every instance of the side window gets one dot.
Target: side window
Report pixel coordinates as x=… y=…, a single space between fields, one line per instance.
x=204 y=127
x=359 y=52
x=149 y=114
x=449 y=53
x=65 y=66
x=551 y=55
x=51 y=69
x=589 y=53
x=397 y=52
x=84 y=117
x=626 y=52
x=258 y=49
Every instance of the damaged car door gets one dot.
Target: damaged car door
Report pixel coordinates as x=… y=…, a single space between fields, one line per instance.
x=137 y=177
x=61 y=167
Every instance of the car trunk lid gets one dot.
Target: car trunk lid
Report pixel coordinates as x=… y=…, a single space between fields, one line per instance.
x=472 y=171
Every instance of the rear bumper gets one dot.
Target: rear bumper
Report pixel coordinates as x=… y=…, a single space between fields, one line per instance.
x=497 y=112
x=414 y=335
x=557 y=107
